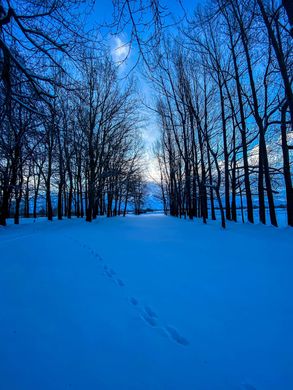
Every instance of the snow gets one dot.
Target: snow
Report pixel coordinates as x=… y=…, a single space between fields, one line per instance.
x=153 y=197
x=148 y=302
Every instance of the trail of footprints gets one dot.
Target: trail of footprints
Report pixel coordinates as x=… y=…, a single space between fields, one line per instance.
x=147 y=314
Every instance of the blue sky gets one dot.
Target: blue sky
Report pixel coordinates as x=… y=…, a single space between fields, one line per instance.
x=102 y=14
x=103 y=8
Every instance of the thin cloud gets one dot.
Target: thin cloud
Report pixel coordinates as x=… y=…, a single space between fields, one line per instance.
x=120 y=50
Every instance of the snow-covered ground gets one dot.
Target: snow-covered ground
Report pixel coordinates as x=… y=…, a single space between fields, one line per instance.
x=148 y=302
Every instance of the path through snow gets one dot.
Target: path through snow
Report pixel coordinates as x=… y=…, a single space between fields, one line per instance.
x=145 y=302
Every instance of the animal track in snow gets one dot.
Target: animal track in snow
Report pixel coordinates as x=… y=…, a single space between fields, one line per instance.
x=149 y=320
x=150 y=312
x=108 y=273
x=146 y=313
x=133 y=301
x=152 y=319
x=120 y=283
x=175 y=335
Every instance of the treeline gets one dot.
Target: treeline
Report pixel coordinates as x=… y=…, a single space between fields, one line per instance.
x=225 y=110
x=69 y=128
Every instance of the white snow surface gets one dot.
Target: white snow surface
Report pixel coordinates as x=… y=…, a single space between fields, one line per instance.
x=148 y=302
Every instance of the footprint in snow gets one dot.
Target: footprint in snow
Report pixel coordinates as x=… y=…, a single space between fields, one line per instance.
x=175 y=335
x=149 y=315
x=133 y=301
x=150 y=312
x=108 y=273
x=120 y=283
x=149 y=320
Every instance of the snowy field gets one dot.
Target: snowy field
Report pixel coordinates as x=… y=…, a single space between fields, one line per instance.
x=147 y=302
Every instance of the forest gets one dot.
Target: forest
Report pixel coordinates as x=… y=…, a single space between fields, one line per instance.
x=146 y=198
x=221 y=82
x=225 y=109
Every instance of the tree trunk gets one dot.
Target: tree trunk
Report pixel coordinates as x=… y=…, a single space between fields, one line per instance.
x=286 y=167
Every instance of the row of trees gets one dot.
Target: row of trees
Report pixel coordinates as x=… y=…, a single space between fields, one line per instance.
x=224 y=103
x=225 y=109
x=69 y=127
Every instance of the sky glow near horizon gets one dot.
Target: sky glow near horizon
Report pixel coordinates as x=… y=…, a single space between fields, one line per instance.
x=124 y=55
